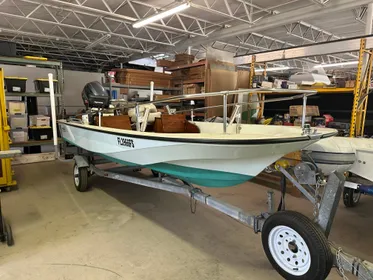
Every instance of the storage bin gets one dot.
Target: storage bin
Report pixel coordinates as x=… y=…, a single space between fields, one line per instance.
x=19 y=135
x=40 y=133
x=18 y=121
x=39 y=120
x=15 y=84
x=16 y=107
x=42 y=85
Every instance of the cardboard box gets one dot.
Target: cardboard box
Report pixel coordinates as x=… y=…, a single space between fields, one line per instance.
x=191 y=89
x=350 y=84
x=19 y=135
x=297 y=111
x=16 y=107
x=18 y=121
x=278 y=83
x=39 y=120
x=267 y=85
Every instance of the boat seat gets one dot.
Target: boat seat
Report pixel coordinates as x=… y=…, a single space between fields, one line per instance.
x=120 y=122
x=174 y=124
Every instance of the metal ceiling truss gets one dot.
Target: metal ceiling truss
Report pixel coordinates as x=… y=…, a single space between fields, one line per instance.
x=72 y=59
x=255 y=42
x=242 y=50
x=312 y=34
x=360 y=14
x=320 y=2
x=60 y=26
x=241 y=10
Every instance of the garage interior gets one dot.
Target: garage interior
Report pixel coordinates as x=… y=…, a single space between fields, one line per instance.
x=152 y=71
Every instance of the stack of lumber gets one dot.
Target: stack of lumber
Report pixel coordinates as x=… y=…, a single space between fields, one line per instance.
x=191 y=89
x=187 y=75
x=181 y=59
x=196 y=73
x=165 y=63
x=142 y=78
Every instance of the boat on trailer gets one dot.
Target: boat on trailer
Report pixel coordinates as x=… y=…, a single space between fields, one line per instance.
x=221 y=155
x=201 y=153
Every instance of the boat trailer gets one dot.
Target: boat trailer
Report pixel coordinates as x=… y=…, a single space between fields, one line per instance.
x=295 y=245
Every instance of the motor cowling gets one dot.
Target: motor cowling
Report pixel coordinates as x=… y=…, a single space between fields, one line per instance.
x=94 y=95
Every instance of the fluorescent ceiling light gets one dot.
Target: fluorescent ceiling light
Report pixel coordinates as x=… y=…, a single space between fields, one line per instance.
x=98 y=41
x=161 y=15
x=273 y=69
x=336 y=64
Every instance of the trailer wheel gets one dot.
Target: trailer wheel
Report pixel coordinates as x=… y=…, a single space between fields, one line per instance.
x=351 y=197
x=9 y=234
x=296 y=247
x=80 y=178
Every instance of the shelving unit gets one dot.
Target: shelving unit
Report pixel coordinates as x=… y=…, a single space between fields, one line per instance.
x=58 y=68
x=185 y=66
x=35 y=143
x=321 y=91
x=116 y=85
x=363 y=76
x=30 y=94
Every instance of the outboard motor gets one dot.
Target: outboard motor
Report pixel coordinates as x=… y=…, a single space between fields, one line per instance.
x=95 y=96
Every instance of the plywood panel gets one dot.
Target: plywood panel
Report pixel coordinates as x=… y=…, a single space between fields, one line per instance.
x=243 y=78
x=221 y=76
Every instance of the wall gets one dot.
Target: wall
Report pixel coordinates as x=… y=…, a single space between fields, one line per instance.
x=73 y=86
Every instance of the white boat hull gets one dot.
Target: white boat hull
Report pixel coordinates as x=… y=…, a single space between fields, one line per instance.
x=207 y=162
x=344 y=154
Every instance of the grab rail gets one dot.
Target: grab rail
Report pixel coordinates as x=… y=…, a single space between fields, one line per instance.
x=304 y=94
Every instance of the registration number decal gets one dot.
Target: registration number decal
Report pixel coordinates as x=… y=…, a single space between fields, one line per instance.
x=125 y=142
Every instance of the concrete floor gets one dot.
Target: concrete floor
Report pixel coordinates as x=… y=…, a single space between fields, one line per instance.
x=118 y=231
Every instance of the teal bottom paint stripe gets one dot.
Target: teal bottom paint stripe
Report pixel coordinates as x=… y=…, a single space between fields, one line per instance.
x=201 y=177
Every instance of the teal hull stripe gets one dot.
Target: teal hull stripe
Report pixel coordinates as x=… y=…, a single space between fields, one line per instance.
x=202 y=177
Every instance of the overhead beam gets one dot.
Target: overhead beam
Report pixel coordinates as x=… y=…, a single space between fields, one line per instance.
x=341 y=46
x=59 y=38
x=81 y=8
x=273 y=21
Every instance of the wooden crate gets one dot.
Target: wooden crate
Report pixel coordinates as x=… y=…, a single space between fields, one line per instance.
x=181 y=59
x=142 y=77
x=165 y=63
x=297 y=110
x=191 y=89
x=120 y=122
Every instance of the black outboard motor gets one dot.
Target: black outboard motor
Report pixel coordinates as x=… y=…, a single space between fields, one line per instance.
x=95 y=96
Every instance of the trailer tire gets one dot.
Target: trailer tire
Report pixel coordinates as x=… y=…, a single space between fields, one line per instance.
x=80 y=178
x=351 y=197
x=296 y=247
x=9 y=234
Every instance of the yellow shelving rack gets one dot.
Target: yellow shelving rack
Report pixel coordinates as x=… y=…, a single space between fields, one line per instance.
x=361 y=91
x=6 y=174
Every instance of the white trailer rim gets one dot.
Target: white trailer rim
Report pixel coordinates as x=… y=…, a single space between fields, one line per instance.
x=76 y=175
x=289 y=250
